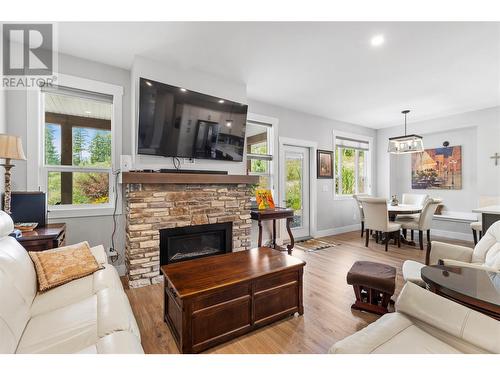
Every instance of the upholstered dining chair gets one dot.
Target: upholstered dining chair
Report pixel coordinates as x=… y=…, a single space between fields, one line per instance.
x=414 y=199
x=422 y=222
x=377 y=219
x=360 y=207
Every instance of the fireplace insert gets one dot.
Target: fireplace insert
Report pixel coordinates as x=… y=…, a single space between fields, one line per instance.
x=197 y=241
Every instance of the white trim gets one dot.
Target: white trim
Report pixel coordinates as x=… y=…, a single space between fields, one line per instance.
x=273 y=147
x=458 y=217
x=34 y=118
x=369 y=160
x=338 y=230
x=312 y=146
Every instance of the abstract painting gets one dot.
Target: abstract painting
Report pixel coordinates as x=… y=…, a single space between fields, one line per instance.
x=437 y=168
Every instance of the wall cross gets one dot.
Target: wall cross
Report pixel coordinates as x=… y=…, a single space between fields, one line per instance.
x=496 y=157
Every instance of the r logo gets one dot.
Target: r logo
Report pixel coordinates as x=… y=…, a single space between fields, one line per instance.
x=27 y=49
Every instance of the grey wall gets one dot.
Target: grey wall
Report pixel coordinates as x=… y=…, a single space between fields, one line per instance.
x=3 y=124
x=479 y=134
x=330 y=213
x=95 y=229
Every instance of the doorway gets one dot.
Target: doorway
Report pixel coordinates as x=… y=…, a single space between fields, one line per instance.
x=295 y=189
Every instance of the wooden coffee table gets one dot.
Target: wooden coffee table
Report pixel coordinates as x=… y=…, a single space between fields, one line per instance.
x=211 y=300
x=471 y=287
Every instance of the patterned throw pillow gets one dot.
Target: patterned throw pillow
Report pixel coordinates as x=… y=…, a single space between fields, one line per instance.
x=59 y=266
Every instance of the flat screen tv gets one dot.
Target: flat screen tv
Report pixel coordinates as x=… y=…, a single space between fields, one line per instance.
x=177 y=122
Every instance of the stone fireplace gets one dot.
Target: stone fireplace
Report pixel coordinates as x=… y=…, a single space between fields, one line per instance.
x=152 y=207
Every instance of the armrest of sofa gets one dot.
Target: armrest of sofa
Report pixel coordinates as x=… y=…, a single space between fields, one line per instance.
x=466 y=324
x=442 y=250
x=99 y=254
x=457 y=263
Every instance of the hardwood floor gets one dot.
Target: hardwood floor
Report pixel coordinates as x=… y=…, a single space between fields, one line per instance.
x=327 y=301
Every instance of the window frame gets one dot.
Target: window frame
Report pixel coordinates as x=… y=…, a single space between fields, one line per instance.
x=37 y=178
x=270 y=124
x=367 y=165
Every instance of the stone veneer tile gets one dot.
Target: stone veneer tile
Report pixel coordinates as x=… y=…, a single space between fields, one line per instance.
x=151 y=207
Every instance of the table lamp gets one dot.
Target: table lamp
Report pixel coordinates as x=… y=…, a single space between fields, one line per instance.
x=11 y=147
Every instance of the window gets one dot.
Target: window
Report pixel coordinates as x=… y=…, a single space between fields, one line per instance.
x=77 y=148
x=351 y=166
x=259 y=142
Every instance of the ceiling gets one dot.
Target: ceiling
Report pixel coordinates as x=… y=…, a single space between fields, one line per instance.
x=328 y=69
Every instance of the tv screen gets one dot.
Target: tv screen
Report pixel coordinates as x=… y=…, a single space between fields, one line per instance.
x=177 y=122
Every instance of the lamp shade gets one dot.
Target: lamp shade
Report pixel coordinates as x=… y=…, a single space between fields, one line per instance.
x=11 y=147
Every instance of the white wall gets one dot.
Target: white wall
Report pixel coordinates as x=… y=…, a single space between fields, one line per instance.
x=331 y=214
x=479 y=134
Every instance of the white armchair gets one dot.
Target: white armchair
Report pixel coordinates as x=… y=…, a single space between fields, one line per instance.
x=485 y=255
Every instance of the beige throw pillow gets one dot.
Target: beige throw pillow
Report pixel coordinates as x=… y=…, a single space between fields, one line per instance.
x=58 y=266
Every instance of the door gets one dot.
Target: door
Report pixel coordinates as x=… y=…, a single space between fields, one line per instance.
x=294 y=186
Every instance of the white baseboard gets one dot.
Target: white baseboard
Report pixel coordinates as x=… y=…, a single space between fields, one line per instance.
x=339 y=230
x=357 y=227
x=449 y=234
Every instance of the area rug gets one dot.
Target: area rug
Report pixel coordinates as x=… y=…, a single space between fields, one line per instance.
x=314 y=244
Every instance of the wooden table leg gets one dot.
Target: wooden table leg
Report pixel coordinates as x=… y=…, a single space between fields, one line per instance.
x=274 y=234
x=260 y=233
x=292 y=240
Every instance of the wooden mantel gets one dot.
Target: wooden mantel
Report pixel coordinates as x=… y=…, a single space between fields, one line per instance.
x=186 y=178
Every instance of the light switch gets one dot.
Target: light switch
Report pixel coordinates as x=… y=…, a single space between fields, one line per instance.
x=325 y=187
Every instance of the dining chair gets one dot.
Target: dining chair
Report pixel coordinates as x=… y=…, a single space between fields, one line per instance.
x=360 y=207
x=414 y=199
x=377 y=219
x=422 y=222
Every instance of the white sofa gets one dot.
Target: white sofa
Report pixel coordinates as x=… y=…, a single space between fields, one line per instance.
x=485 y=255
x=425 y=323
x=88 y=315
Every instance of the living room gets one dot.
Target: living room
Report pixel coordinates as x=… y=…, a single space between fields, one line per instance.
x=209 y=187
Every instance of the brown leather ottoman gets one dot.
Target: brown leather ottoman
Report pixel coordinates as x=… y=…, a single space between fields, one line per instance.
x=373 y=284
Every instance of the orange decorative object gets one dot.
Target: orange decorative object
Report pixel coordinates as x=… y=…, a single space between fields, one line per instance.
x=264 y=199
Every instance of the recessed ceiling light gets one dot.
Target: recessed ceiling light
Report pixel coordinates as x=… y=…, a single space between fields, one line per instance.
x=377 y=40
x=183 y=89
x=88 y=112
x=221 y=101
x=149 y=83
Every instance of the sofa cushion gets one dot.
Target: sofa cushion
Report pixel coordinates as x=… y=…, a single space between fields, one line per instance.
x=58 y=266
x=79 y=325
x=76 y=290
x=414 y=340
x=489 y=242
x=14 y=314
x=450 y=317
x=65 y=330
x=17 y=265
x=122 y=342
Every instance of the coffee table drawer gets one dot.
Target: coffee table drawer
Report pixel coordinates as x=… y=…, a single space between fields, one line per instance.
x=274 y=303
x=219 y=322
x=275 y=280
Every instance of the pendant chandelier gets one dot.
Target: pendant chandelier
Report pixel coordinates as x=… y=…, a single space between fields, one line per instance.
x=406 y=144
